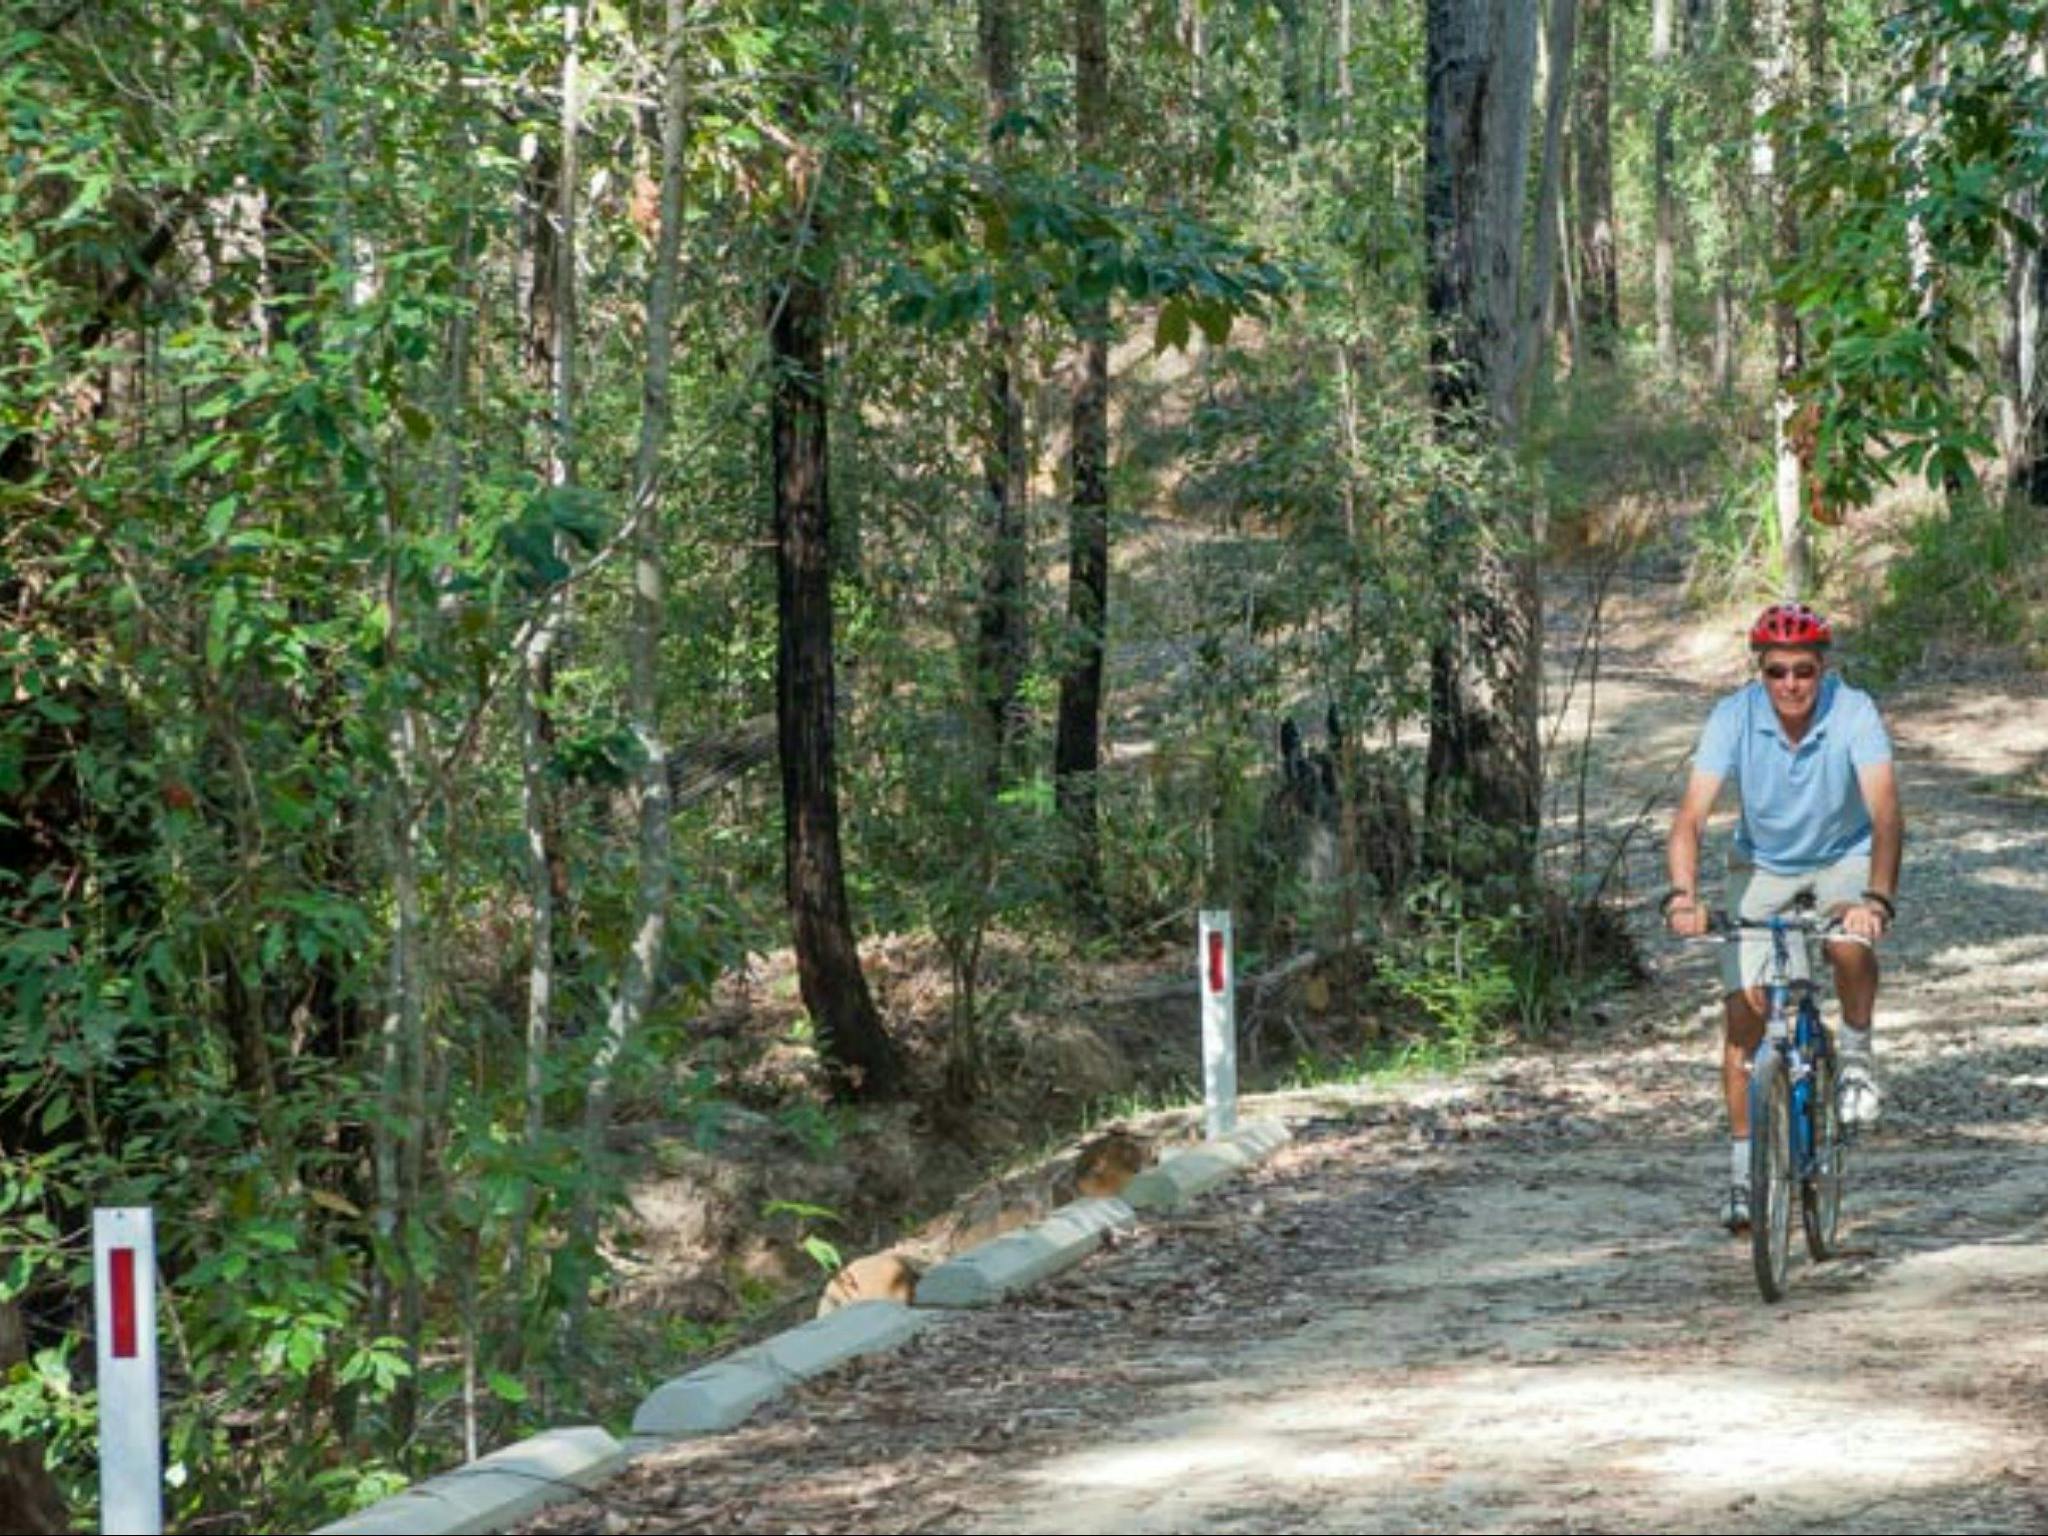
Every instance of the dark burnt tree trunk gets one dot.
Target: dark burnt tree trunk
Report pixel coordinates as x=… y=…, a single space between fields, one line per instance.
x=1484 y=764
x=857 y=1050
x=1002 y=638
x=1077 y=748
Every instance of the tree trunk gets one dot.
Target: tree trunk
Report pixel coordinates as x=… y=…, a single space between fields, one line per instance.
x=643 y=646
x=1002 y=641
x=1077 y=748
x=1727 y=332
x=2023 y=347
x=550 y=346
x=1293 y=70
x=1778 y=86
x=1709 y=27
x=1599 y=275
x=1344 y=66
x=398 y=1153
x=1567 y=285
x=857 y=1051
x=1193 y=32
x=1484 y=760
x=1663 y=19
x=1539 y=300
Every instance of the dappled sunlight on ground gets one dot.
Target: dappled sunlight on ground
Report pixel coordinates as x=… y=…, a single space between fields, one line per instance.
x=1498 y=1441
x=1992 y=966
x=1981 y=729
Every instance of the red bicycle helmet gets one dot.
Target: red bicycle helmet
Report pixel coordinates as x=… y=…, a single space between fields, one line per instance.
x=1789 y=625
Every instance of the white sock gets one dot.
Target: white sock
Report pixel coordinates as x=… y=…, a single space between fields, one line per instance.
x=1854 y=1042
x=1738 y=1159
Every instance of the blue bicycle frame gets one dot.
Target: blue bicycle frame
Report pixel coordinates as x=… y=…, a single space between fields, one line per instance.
x=1803 y=1043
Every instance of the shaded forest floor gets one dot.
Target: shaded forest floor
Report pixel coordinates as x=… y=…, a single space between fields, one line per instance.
x=1499 y=1300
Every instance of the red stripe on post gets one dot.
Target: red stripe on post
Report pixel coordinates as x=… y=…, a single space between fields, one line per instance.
x=121 y=1276
x=1215 y=961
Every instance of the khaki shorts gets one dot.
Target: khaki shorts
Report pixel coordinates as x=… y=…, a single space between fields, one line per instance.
x=1755 y=894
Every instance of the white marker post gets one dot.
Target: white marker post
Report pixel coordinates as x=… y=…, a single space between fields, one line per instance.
x=124 y=1304
x=1219 y=1023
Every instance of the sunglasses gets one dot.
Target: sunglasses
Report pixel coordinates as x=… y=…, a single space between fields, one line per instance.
x=1805 y=674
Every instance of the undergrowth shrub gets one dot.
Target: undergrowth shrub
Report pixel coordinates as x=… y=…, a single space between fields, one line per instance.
x=1975 y=571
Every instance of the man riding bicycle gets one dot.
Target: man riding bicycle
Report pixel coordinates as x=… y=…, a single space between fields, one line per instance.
x=1809 y=756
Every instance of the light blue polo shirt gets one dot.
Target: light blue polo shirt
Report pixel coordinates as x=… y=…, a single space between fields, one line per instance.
x=1802 y=807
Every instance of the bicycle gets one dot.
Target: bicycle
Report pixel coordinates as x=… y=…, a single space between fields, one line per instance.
x=1796 y=1131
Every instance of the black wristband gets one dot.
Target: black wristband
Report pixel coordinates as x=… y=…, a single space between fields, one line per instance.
x=1878 y=898
x=1670 y=898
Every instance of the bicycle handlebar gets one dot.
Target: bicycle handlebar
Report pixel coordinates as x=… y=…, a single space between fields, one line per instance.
x=1724 y=928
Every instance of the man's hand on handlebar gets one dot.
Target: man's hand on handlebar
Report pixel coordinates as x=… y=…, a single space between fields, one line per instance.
x=1685 y=915
x=1866 y=922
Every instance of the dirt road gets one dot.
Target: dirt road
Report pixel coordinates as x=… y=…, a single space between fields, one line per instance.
x=1500 y=1303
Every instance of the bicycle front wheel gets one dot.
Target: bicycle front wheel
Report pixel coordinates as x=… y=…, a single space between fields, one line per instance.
x=1770 y=1171
x=1820 y=1192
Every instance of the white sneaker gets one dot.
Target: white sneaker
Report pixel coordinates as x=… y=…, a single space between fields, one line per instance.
x=1862 y=1098
x=1735 y=1213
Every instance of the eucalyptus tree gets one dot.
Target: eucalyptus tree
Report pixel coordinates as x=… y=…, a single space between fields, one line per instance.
x=2023 y=338
x=1663 y=27
x=1077 y=750
x=1779 y=94
x=1599 y=268
x=797 y=318
x=1484 y=755
x=1539 y=296
x=1004 y=647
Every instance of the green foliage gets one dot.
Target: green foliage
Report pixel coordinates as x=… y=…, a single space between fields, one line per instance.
x=1909 y=216
x=1970 y=572
x=821 y=1251
x=283 y=515
x=1457 y=967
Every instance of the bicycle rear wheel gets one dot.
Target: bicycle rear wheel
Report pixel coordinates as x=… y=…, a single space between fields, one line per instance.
x=1770 y=1171
x=1820 y=1192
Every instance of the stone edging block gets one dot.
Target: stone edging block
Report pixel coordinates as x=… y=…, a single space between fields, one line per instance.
x=493 y=1491
x=506 y=1486
x=1017 y=1259
x=1174 y=1181
x=719 y=1396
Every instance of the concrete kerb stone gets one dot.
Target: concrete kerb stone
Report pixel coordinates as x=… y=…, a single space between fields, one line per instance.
x=996 y=1268
x=718 y=1396
x=493 y=1491
x=508 y=1485
x=1174 y=1181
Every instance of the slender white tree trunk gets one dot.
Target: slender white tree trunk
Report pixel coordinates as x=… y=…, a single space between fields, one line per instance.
x=1777 y=88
